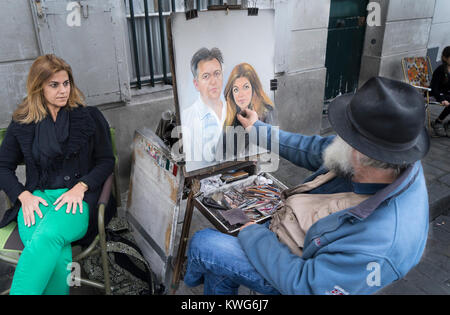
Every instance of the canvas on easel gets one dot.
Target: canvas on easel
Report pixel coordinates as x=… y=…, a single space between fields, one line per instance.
x=223 y=61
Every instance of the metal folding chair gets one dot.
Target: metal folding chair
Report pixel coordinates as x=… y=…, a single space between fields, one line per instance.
x=11 y=245
x=417 y=71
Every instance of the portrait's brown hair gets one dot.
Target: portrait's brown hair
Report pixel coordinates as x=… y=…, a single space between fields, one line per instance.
x=33 y=107
x=259 y=98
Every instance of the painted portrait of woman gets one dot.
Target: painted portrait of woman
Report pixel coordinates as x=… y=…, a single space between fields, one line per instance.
x=244 y=90
x=212 y=71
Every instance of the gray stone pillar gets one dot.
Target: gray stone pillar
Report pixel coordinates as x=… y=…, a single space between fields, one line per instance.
x=302 y=31
x=404 y=31
x=439 y=34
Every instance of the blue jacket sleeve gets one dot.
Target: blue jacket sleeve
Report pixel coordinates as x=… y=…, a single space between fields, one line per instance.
x=326 y=273
x=301 y=150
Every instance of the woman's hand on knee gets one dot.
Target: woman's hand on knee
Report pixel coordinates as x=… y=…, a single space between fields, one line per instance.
x=30 y=204
x=72 y=198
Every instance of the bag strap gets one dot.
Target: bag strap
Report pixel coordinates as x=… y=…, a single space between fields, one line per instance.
x=124 y=261
x=316 y=182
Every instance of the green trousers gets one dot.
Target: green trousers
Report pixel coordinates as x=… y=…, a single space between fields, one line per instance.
x=45 y=264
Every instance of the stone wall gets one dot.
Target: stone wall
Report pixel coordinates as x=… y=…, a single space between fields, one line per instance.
x=404 y=31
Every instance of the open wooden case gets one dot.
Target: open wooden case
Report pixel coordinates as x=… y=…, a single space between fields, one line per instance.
x=163 y=180
x=253 y=198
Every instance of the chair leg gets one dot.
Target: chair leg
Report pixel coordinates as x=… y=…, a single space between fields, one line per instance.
x=102 y=236
x=88 y=251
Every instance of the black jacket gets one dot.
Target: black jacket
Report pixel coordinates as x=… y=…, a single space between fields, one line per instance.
x=88 y=158
x=440 y=84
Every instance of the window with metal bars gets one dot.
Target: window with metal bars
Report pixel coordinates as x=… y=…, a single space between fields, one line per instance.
x=149 y=55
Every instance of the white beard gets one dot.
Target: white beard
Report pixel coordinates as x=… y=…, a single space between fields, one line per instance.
x=337 y=157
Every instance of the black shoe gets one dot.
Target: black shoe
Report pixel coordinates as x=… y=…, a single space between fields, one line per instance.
x=447 y=128
x=439 y=129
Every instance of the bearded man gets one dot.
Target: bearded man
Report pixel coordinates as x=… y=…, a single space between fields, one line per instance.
x=357 y=224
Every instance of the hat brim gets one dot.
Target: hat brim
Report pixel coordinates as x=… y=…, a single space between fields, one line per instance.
x=337 y=115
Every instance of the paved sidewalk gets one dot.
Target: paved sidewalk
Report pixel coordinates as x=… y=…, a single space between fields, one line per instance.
x=432 y=274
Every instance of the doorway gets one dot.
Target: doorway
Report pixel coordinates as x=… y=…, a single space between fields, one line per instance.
x=346 y=30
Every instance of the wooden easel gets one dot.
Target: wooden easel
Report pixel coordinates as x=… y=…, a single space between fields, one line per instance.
x=183 y=242
x=193 y=184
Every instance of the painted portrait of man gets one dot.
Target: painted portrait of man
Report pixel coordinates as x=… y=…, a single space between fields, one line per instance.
x=220 y=71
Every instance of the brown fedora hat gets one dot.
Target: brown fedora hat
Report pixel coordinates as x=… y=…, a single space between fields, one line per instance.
x=384 y=120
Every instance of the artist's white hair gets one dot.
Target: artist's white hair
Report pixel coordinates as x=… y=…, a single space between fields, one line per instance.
x=338 y=158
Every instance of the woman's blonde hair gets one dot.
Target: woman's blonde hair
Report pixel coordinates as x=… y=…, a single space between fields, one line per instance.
x=33 y=108
x=259 y=98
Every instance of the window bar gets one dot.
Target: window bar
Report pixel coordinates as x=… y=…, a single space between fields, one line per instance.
x=135 y=49
x=163 y=42
x=173 y=6
x=149 y=44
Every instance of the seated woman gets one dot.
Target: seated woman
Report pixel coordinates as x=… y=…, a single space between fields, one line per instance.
x=244 y=90
x=67 y=151
x=440 y=89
